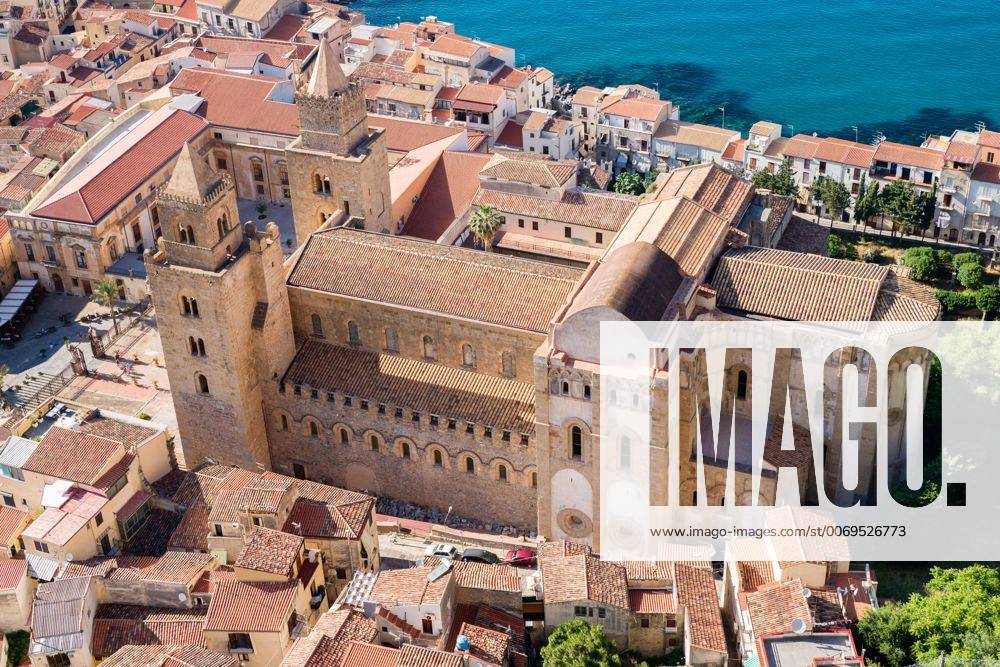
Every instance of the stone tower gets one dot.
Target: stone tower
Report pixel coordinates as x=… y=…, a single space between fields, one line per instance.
x=222 y=312
x=338 y=167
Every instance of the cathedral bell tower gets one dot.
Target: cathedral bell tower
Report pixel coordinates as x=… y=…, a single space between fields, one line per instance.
x=337 y=167
x=222 y=313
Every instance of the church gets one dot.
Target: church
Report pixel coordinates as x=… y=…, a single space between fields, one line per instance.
x=439 y=374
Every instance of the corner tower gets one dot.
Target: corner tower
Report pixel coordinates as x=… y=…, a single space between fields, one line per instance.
x=338 y=166
x=222 y=313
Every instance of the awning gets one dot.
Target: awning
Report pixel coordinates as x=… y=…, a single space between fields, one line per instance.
x=40 y=567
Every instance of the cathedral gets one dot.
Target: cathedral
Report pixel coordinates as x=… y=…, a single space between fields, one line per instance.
x=437 y=374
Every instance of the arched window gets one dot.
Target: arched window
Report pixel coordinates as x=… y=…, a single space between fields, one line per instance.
x=507 y=363
x=470 y=465
x=222 y=230
x=317 y=183
x=624 y=453
x=468 y=356
x=429 y=348
x=317 y=325
x=284 y=423
x=313 y=429
x=391 y=341
x=353 y=333
x=182 y=234
x=201 y=348
x=534 y=480
x=326 y=185
x=373 y=442
x=225 y=221
x=438 y=459
x=405 y=449
x=201 y=383
x=193 y=345
x=185 y=306
x=586 y=391
x=565 y=387
x=190 y=234
x=741 y=385
x=194 y=308
x=502 y=472
x=576 y=441
x=345 y=437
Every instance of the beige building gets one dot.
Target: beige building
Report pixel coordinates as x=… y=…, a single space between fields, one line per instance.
x=16 y=593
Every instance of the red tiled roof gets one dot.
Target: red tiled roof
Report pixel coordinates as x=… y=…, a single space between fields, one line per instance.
x=12 y=572
x=287 y=27
x=90 y=200
x=74 y=456
x=238 y=101
x=361 y=654
x=116 y=626
x=267 y=550
x=446 y=194
x=239 y=606
x=696 y=591
x=916 y=156
x=511 y=135
x=773 y=607
x=651 y=602
x=509 y=78
x=330 y=639
x=987 y=172
x=452 y=46
x=12 y=520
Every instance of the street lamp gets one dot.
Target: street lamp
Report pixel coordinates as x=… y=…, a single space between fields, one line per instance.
x=723 y=110
x=855 y=128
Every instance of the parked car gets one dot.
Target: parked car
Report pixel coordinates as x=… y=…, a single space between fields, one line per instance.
x=521 y=557
x=480 y=556
x=442 y=550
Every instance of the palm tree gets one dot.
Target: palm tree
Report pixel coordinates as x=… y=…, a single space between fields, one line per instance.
x=105 y=293
x=484 y=225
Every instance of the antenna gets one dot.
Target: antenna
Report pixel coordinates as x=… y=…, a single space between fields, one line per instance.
x=798 y=626
x=182 y=597
x=807 y=593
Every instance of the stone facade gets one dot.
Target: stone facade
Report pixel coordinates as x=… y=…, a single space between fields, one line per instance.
x=223 y=314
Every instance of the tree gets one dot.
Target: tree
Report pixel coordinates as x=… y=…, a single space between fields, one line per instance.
x=923 y=261
x=629 y=183
x=966 y=258
x=927 y=206
x=106 y=293
x=577 y=643
x=860 y=200
x=970 y=276
x=956 y=604
x=900 y=202
x=988 y=300
x=781 y=182
x=484 y=225
x=833 y=195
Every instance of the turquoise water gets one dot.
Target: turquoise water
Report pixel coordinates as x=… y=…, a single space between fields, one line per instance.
x=902 y=67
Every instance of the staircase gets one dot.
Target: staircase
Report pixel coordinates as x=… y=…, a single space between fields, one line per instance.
x=32 y=393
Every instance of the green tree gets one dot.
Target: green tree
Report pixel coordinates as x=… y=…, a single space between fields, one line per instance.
x=886 y=634
x=629 y=183
x=970 y=276
x=927 y=206
x=781 y=182
x=901 y=204
x=577 y=643
x=106 y=293
x=966 y=258
x=860 y=201
x=834 y=197
x=988 y=300
x=484 y=225
x=923 y=261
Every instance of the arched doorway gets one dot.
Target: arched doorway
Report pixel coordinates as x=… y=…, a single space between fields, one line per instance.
x=982 y=239
x=57 y=283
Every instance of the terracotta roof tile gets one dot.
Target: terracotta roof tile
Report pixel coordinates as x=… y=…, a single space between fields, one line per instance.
x=485 y=576
x=12 y=572
x=330 y=639
x=486 y=644
x=429 y=277
x=651 y=601
x=773 y=607
x=12 y=521
x=239 y=101
x=711 y=186
x=360 y=654
x=409 y=586
x=418 y=656
x=924 y=158
x=74 y=456
x=271 y=551
x=446 y=195
x=451 y=46
x=116 y=626
x=697 y=593
x=522 y=168
x=589 y=208
x=584 y=577
x=239 y=606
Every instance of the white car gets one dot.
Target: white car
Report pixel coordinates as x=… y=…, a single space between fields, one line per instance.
x=442 y=550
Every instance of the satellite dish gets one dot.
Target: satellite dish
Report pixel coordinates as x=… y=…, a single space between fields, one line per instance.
x=798 y=626
x=69 y=558
x=182 y=597
x=807 y=593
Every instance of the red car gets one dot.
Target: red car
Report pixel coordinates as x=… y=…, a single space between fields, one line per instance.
x=521 y=557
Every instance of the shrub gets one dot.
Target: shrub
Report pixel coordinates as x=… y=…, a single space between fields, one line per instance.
x=988 y=299
x=872 y=255
x=970 y=276
x=963 y=258
x=838 y=248
x=923 y=261
x=954 y=302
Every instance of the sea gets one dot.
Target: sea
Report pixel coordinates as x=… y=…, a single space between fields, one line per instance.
x=847 y=68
